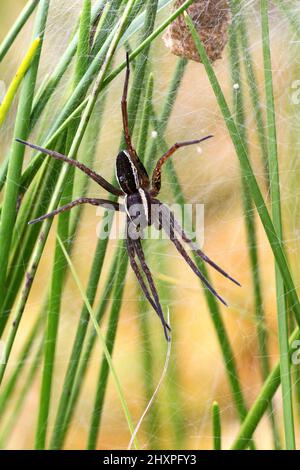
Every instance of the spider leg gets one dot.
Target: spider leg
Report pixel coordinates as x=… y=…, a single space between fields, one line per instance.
x=82 y=200
x=156 y=175
x=125 y=111
x=131 y=253
x=135 y=247
x=92 y=174
x=169 y=229
x=190 y=242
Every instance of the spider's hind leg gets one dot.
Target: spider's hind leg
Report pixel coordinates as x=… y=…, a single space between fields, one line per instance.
x=167 y=224
x=193 y=246
x=146 y=270
x=134 y=248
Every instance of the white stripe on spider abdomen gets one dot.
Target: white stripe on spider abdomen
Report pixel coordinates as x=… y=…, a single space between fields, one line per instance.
x=138 y=208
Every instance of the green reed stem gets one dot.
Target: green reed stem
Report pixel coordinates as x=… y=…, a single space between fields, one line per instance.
x=80 y=188
x=249 y=176
x=39 y=194
x=105 y=346
x=16 y=82
x=8 y=215
x=11 y=383
x=59 y=263
x=263 y=399
x=216 y=426
x=110 y=341
x=238 y=98
x=160 y=126
x=276 y=215
x=252 y=84
x=53 y=81
x=22 y=395
x=227 y=352
x=88 y=349
x=16 y=28
x=273 y=380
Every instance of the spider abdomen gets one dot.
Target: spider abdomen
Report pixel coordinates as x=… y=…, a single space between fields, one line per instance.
x=138 y=208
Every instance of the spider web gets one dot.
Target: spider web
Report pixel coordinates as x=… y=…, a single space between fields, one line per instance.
x=209 y=175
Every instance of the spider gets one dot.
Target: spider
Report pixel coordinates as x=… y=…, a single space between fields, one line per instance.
x=139 y=192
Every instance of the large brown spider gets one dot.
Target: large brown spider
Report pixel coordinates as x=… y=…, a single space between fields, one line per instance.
x=141 y=206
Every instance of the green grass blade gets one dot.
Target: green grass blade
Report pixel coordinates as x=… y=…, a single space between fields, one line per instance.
x=216 y=426
x=19 y=405
x=8 y=214
x=11 y=383
x=249 y=176
x=14 y=86
x=262 y=401
x=253 y=86
x=59 y=265
x=53 y=314
x=105 y=347
x=39 y=194
x=16 y=28
x=110 y=341
x=42 y=98
x=60 y=425
x=276 y=215
x=160 y=126
x=80 y=187
x=80 y=374
x=239 y=103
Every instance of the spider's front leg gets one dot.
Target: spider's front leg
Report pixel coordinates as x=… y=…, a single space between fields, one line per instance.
x=90 y=173
x=156 y=175
x=125 y=111
x=82 y=200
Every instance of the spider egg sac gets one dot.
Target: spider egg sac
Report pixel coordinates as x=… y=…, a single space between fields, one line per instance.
x=211 y=19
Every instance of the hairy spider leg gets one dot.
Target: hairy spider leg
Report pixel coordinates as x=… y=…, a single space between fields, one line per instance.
x=157 y=308
x=135 y=247
x=140 y=254
x=190 y=242
x=82 y=200
x=92 y=174
x=169 y=229
x=143 y=175
x=156 y=175
x=124 y=109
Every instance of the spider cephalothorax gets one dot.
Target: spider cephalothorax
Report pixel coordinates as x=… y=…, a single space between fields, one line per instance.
x=142 y=208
